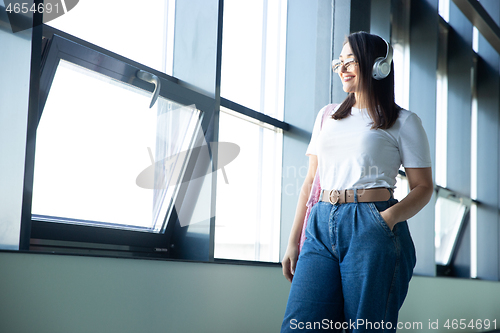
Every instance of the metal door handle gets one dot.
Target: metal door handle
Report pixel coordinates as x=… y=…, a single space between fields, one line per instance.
x=148 y=77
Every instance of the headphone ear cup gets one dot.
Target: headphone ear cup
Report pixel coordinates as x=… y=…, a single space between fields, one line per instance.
x=381 y=68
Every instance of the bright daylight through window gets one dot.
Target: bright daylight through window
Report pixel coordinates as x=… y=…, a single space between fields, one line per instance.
x=97 y=138
x=141 y=33
x=109 y=159
x=253 y=62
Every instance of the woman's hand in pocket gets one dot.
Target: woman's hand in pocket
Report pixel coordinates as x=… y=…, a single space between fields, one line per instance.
x=389 y=220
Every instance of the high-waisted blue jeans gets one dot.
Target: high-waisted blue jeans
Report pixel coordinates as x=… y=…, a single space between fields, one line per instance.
x=353 y=271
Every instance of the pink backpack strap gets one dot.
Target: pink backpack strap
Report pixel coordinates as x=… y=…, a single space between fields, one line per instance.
x=328 y=112
x=316 y=186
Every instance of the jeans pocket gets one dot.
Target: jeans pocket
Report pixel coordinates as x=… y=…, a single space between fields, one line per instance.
x=379 y=219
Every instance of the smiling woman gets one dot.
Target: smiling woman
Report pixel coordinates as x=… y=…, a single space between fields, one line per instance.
x=358 y=256
x=348 y=71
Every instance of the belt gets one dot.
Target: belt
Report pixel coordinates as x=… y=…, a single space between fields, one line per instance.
x=364 y=195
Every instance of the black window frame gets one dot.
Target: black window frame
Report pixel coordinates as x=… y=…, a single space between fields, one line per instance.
x=62 y=237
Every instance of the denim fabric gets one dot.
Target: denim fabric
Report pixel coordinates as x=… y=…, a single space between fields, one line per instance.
x=353 y=271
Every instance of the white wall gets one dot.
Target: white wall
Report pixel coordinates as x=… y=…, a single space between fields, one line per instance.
x=431 y=298
x=71 y=294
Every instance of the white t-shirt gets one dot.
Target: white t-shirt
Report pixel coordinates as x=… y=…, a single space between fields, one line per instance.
x=351 y=155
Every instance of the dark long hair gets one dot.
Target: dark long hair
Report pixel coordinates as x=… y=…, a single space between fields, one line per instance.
x=379 y=94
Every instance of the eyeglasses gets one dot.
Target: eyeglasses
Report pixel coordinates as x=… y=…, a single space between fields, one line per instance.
x=348 y=64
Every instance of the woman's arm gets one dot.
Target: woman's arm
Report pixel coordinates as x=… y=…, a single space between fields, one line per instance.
x=290 y=259
x=421 y=188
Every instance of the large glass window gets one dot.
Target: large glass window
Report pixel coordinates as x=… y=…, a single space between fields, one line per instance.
x=15 y=94
x=444 y=9
x=142 y=31
x=442 y=107
x=400 y=41
x=106 y=158
x=253 y=54
x=118 y=144
x=248 y=205
x=252 y=86
x=103 y=156
x=474 y=160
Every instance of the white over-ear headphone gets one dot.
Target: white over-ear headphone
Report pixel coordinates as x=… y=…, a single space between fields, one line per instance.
x=382 y=66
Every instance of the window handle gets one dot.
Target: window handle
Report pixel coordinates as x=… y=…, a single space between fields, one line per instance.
x=148 y=77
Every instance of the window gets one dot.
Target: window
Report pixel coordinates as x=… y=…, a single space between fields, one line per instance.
x=248 y=205
x=474 y=161
x=455 y=242
x=442 y=107
x=108 y=153
x=402 y=186
x=253 y=48
x=400 y=41
x=444 y=9
x=121 y=144
x=451 y=214
x=247 y=223
x=109 y=160
x=141 y=32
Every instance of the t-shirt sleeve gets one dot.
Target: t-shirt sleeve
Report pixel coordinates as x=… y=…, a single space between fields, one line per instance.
x=312 y=148
x=413 y=144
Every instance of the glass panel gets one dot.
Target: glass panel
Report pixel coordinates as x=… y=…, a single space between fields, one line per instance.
x=475 y=39
x=401 y=45
x=474 y=167
x=442 y=109
x=141 y=31
x=109 y=159
x=402 y=187
x=450 y=215
x=253 y=45
x=444 y=9
x=248 y=206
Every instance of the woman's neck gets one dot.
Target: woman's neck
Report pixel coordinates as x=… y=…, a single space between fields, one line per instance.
x=360 y=101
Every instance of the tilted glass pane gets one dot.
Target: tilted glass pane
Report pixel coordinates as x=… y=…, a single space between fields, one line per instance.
x=103 y=157
x=450 y=214
x=247 y=217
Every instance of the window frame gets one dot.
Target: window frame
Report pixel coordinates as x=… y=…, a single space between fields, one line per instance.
x=68 y=237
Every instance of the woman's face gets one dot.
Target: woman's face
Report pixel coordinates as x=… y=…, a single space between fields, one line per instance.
x=349 y=75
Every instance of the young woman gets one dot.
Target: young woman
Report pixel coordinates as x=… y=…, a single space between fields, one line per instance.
x=358 y=256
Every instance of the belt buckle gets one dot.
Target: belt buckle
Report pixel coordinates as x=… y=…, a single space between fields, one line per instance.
x=331 y=196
